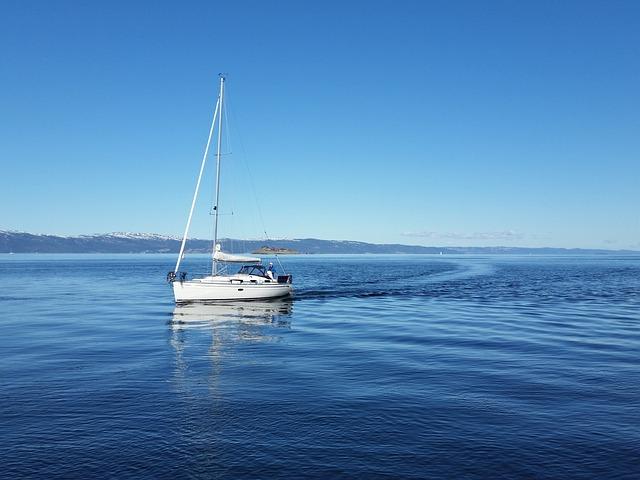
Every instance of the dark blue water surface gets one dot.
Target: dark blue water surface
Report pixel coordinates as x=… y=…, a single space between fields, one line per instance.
x=380 y=367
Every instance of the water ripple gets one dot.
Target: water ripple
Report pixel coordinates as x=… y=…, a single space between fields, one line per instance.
x=379 y=367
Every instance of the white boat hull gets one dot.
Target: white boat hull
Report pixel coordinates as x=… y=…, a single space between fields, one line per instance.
x=227 y=288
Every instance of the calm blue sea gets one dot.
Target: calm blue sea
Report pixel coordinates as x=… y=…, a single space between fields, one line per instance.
x=479 y=367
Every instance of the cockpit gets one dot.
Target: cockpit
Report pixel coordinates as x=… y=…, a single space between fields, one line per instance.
x=257 y=270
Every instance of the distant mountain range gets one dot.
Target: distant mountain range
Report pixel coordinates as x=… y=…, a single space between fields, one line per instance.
x=21 y=242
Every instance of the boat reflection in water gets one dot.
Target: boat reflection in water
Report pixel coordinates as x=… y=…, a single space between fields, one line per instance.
x=208 y=337
x=234 y=313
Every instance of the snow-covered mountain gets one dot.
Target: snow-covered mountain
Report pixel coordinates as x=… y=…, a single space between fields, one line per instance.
x=133 y=236
x=117 y=242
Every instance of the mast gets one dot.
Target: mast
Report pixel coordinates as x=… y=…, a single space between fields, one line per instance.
x=214 y=266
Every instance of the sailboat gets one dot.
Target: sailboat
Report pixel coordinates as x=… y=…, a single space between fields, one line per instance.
x=253 y=280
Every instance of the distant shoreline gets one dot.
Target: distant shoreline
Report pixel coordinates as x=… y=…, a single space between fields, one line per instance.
x=603 y=253
x=141 y=243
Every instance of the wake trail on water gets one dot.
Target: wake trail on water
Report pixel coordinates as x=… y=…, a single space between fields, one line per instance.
x=421 y=283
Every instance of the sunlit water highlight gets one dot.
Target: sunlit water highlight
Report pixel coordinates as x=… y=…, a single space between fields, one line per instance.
x=380 y=367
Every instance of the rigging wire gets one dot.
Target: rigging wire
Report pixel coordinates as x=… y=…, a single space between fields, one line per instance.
x=228 y=112
x=231 y=245
x=244 y=156
x=225 y=118
x=195 y=195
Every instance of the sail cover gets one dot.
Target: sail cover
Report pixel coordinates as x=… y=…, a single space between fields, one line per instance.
x=220 y=256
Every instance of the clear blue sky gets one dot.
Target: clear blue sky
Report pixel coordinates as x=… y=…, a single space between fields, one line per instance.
x=434 y=123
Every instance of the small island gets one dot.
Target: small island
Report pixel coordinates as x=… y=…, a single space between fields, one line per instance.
x=266 y=250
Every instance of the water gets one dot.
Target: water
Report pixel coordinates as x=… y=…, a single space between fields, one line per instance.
x=381 y=367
